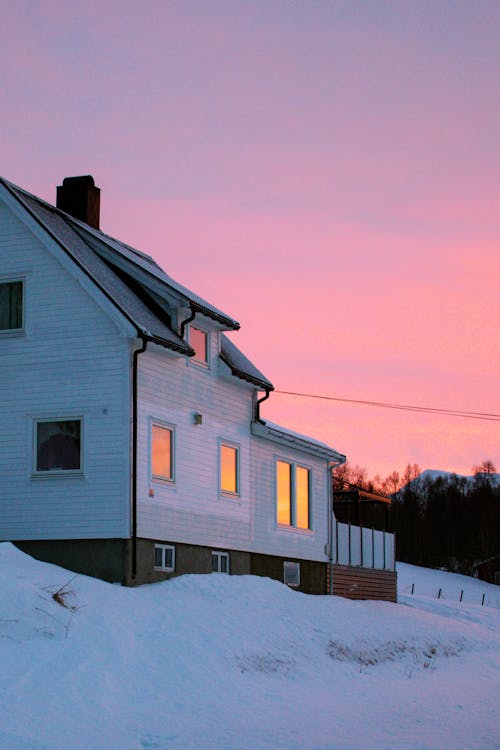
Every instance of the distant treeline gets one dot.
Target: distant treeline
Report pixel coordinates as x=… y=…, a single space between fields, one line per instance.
x=445 y=521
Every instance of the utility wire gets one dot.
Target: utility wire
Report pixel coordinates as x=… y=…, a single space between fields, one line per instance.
x=491 y=417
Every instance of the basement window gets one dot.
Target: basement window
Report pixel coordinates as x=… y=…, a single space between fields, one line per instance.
x=291 y=573
x=58 y=445
x=11 y=306
x=164 y=557
x=220 y=562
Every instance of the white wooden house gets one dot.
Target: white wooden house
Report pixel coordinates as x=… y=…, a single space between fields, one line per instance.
x=131 y=443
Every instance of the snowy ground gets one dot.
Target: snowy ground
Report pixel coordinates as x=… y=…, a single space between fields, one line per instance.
x=241 y=663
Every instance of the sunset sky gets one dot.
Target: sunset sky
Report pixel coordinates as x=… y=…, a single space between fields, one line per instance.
x=325 y=172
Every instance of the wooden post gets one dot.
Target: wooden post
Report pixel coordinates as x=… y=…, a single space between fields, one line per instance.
x=373 y=547
x=439 y=594
x=349 y=530
x=482 y=600
x=461 y=595
x=361 y=544
x=412 y=588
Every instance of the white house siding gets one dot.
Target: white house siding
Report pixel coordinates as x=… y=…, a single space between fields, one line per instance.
x=71 y=362
x=284 y=541
x=191 y=509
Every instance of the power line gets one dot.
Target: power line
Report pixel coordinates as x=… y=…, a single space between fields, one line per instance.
x=489 y=416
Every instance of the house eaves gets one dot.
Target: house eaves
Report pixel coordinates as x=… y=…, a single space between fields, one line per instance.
x=290 y=439
x=241 y=367
x=55 y=224
x=149 y=273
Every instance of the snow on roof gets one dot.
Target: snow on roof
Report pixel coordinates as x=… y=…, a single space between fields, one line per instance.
x=293 y=439
x=147 y=264
x=241 y=366
x=135 y=257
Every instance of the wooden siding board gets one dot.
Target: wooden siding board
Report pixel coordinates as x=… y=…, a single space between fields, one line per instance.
x=55 y=369
x=364 y=583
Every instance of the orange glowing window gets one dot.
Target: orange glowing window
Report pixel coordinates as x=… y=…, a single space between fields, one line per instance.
x=293 y=495
x=198 y=340
x=284 y=492
x=229 y=479
x=161 y=452
x=301 y=497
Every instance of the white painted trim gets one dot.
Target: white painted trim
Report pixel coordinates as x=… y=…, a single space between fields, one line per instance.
x=219 y=554
x=50 y=474
x=282 y=527
x=153 y=422
x=192 y=360
x=227 y=494
x=12 y=279
x=163 y=567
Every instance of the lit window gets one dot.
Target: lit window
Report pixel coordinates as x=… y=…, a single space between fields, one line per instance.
x=11 y=306
x=58 y=445
x=220 y=562
x=292 y=495
x=284 y=492
x=162 y=452
x=301 y=497
x=164 y=557
x=229 y=479
x=198 y=341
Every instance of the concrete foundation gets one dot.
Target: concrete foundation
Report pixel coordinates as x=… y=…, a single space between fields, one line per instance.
x=111 y=560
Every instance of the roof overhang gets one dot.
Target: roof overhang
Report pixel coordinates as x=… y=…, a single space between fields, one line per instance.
x=291 y=439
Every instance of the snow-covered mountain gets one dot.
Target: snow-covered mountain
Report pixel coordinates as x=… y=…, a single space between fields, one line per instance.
x=432 y=474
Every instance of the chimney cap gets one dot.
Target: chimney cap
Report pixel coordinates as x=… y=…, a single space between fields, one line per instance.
x=84 y=179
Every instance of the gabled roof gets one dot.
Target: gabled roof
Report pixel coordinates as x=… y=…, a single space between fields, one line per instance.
x=118 y=253
x=120 y=294
x=240 y=366
x=126 y=256
x=134 y=283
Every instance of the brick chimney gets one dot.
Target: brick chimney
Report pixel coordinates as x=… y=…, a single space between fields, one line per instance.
x=79 y=197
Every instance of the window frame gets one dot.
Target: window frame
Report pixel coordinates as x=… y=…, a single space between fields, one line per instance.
x=230 y=493
x=163 y=567
x=153 y=422
x=16 y=279
x=294 y=465
x=203 y=363
x=219 y=554
x=50 y=473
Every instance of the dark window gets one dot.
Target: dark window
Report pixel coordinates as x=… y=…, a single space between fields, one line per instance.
x=220 y=562
x=11 y=306
x=58 y=445
x=165 y=557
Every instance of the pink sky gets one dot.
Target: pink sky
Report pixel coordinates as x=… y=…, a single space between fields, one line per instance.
x=325 y=172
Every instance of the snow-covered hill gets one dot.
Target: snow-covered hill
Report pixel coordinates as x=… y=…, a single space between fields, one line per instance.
x=242 y=663
x=432 y=474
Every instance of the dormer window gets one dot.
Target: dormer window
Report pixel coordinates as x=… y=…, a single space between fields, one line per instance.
x=11 y=306
x=198 y=340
